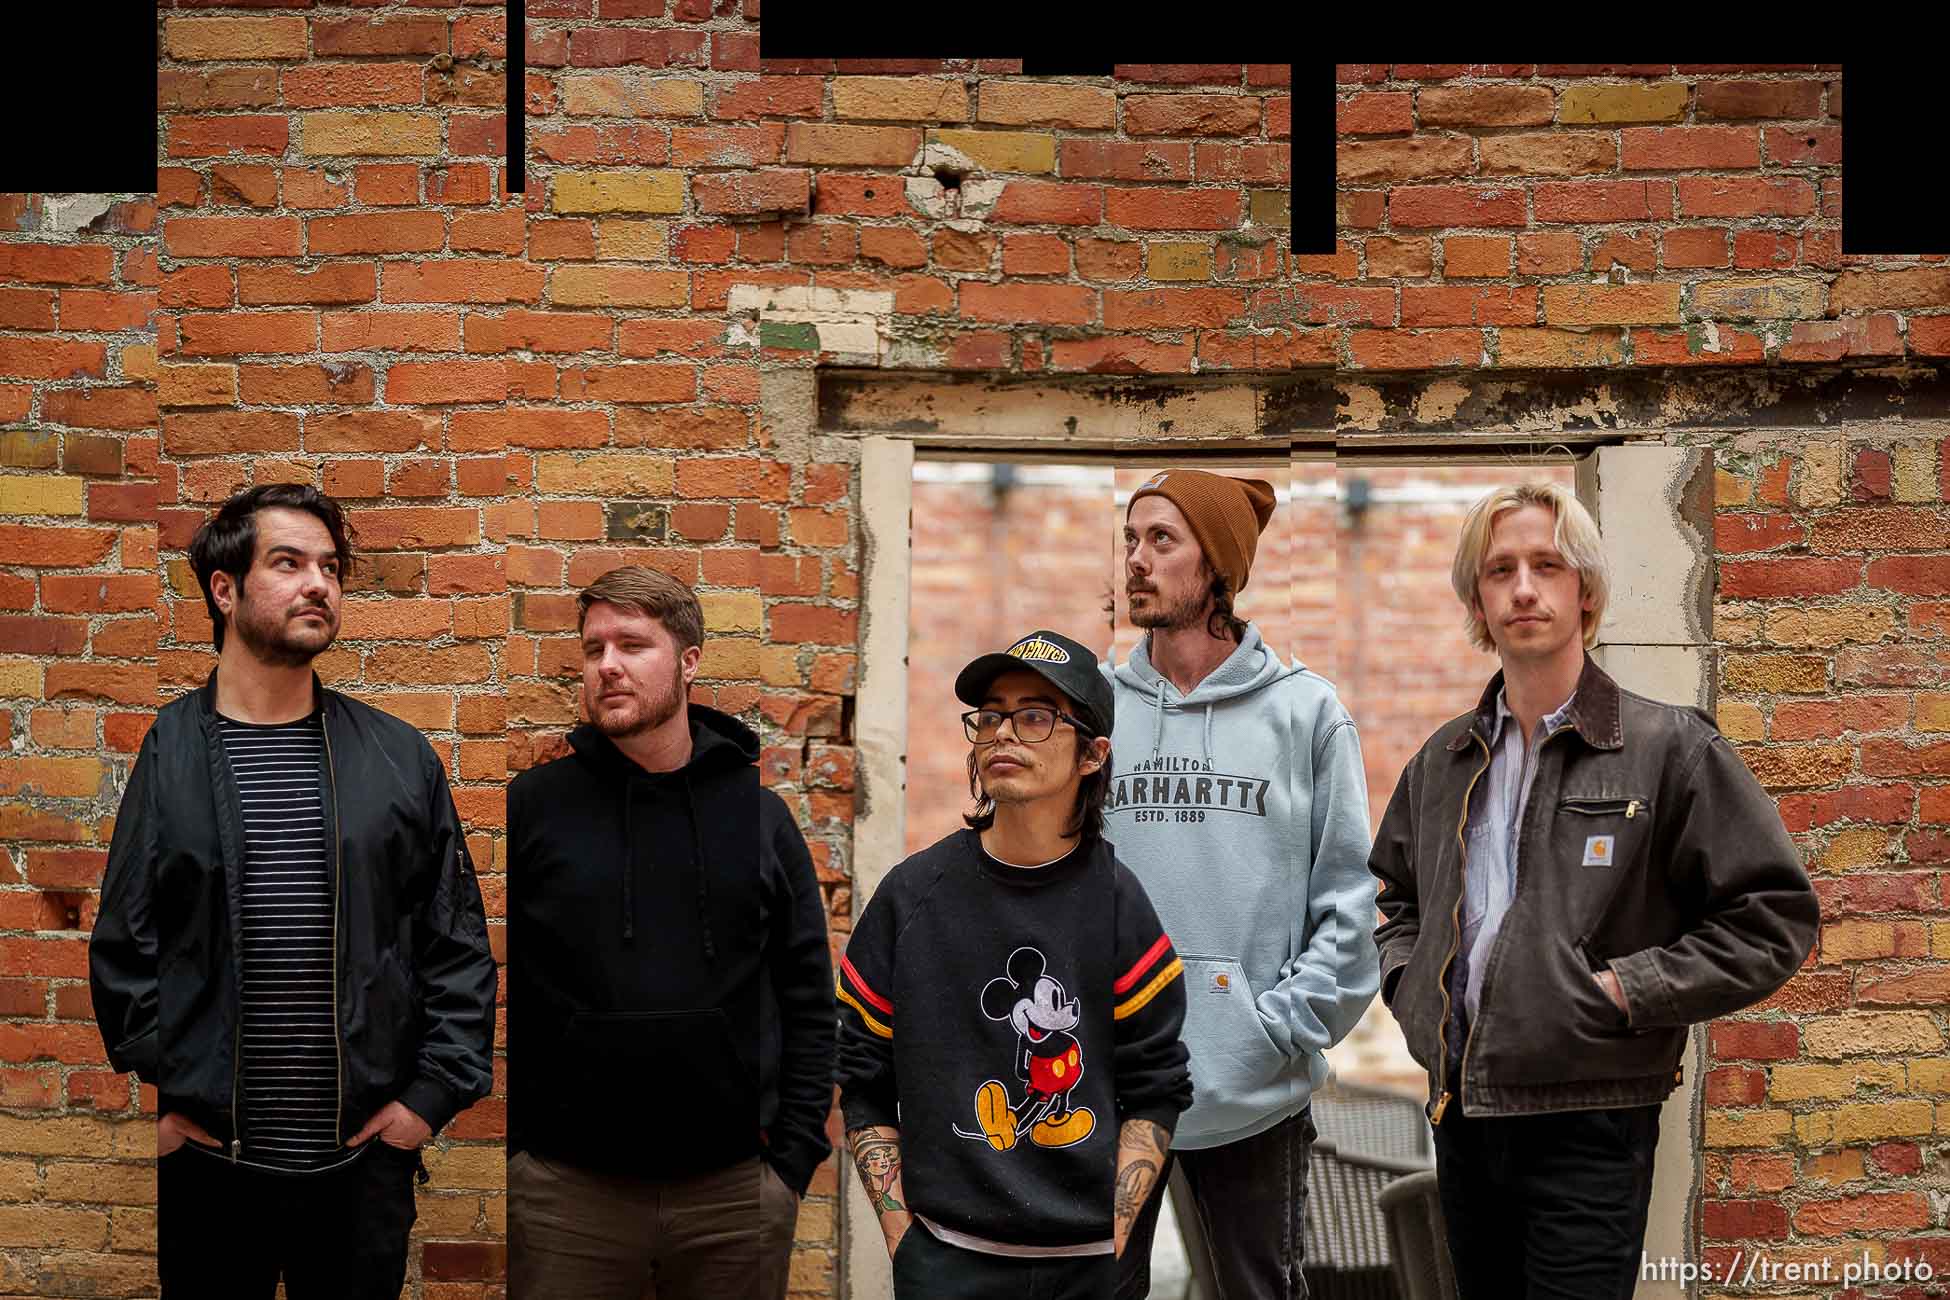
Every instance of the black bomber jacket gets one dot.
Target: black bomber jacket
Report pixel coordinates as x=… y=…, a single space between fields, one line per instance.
x=1646 y=847
x=415 y=982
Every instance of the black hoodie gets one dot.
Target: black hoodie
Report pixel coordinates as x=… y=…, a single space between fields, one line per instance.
x=670 y=1005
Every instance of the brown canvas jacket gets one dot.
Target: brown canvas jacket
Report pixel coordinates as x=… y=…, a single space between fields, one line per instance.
x=1646 y=846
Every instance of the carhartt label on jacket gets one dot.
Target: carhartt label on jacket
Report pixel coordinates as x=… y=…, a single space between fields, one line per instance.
x=1597 y=851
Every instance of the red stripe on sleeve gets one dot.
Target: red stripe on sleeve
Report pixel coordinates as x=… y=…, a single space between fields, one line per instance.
x=1144 y=963
x=874 y=999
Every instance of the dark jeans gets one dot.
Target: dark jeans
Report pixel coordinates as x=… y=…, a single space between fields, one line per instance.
x=927 y=1268
x=226 y=1232
x=1546 y=1207
x=1251 y=1197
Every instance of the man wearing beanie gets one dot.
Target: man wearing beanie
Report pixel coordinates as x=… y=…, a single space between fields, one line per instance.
x=1239 y=800
x=1010 y=1068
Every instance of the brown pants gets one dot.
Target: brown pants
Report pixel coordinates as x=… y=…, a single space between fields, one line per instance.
x=574 y=1234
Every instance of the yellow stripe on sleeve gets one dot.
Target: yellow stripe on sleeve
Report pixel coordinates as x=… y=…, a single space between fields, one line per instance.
x=874 y=1025
x=1135 y=1003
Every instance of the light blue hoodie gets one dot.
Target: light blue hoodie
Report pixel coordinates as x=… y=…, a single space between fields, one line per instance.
x=1242 y=807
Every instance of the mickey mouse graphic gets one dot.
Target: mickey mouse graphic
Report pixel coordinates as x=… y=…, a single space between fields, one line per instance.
x=1048 y=1059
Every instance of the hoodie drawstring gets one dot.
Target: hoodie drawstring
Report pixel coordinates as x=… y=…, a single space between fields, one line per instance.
x=1158 y=727
x=629 y=867
x=1208 y=735
x=703 y=876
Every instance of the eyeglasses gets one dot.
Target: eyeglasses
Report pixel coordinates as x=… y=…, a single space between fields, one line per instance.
x=1032 y=725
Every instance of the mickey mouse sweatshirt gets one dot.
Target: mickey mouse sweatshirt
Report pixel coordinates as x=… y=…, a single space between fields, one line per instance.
x=1007 y=1020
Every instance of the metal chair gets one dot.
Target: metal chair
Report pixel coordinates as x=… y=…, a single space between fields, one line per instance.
x=1418 y=1239
x=1373 y=1121
x=1350 y=1251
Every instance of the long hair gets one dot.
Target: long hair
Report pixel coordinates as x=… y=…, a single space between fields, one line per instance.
x=1221 y=622
x=1086 y=819
x=1576 y=538
x=227 y=541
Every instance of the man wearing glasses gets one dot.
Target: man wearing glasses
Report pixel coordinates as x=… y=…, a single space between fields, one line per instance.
x=1010 y=1069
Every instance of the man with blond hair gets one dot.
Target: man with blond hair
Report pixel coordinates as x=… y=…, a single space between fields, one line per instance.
x=670 y=1015
x=1571 y=876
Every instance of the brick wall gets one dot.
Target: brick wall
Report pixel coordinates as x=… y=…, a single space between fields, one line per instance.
x=506 y=387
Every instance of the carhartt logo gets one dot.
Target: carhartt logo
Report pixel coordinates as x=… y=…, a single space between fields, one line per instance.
x=1037 y=650
x=1597 y=851
x=1221 y=982
x=1156 y=480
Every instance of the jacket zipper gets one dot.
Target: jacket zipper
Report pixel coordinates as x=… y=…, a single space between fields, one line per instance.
x=338 y=870
x=1470 y=1036
x=1455 y=925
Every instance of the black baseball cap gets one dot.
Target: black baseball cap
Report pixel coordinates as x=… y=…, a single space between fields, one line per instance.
x=1065 y=664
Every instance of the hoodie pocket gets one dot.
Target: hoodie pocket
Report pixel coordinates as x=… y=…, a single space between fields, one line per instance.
x=1238 y=1075
x=670 y=1086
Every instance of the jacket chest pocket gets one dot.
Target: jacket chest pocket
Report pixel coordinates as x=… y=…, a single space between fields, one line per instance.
x=1600 y=831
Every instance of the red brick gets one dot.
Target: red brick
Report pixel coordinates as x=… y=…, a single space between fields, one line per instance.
x=1051 y=203
x=1795 y=578
x=1751 y=99
x=1054 y=304
x=1716 y=196
x=1172 y=209
x=1377 y=113
x=338 y=282
x=1468 y=305
x=1687 y=148
x=100 y=408
x=1743 y=1220
x=1749 y=1040
x=90 y=309
x=1422 y=206
x=1694 y=246
x=356 y=36
x=433 y=382
x=1389 y=349
x=218 y=136
x=232 y=237
x=1167 y=308
x=1592 y=201
x=1191 y=115
x=243 y=333
x=52 y=358
x=379 y=232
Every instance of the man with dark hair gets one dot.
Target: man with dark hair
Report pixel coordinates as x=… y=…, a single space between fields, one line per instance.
x=673 y=959
x=291 y=945
x=1241 y=802
x=1020 y=1107
x=1571 y=877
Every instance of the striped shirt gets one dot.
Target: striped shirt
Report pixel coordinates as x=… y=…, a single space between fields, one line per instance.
x=289 y=1039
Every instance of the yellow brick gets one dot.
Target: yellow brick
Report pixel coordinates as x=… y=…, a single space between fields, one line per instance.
x=730 y=658
x=631 y=191
x=1940 y=939
x=1740 y=721
x=1029 y=152
x=1852 y=849
x=132 y=1229
x=1896 y=1033
x=1932 y=711
x=446 y=1216
x=583 y=285
x=101 y=1184
x=779 y=666
x=1830 y=625
x=194 y=39
x=1819 y=477
x=495 y=1208
x=56 y=778
x=900 y=99
x=604 y=473
x=40 y=494
x=1751 y=1128
x=478 y=1167
x=1735 y=625
x=611 y=94
x=1775 y=674
x=391 y=135
x=20 y=1180
x=1915 y=471
x=197 y=385
x=1857 y=941
x=1930 y=1075
x=19 y=679
x=816 y=1222
x=1663 y=101
x=62 y=1135
x=1816 y=1129
x=49 y=1227
x=1811 y=1082
x=736 y=611
x=1731 y=489
x=30 y=449
x=1870 y=1121
x=1178 y=260
x=632 y=241
x=139 y=361
x=811 y=1272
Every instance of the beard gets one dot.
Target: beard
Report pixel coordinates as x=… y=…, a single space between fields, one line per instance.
x=1172 y=616
x=641 y=713
x=279 y=639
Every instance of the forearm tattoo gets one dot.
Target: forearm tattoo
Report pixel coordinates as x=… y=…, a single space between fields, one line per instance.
x=877 y=1155
x=1141 y=1149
